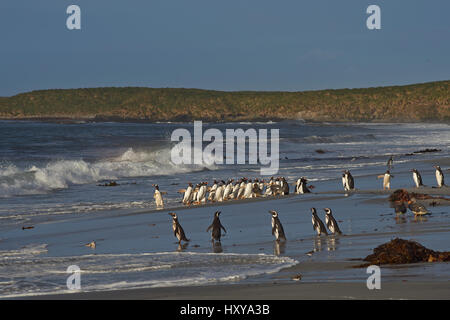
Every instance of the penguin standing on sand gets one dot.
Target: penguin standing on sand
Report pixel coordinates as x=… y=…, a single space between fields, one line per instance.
x=348 y=181
x=301 y=186
x=216 y=228
x=318 y=225
x=158 y=197
x=439 y=176
x=177 y=229
x=390 y=163
x=331 y=222
x=386 y=179
x=277 y=227
x=417 y=178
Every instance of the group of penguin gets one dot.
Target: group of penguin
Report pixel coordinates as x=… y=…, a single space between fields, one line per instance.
x=216 y=226
x=246 y=188
x=243 y=188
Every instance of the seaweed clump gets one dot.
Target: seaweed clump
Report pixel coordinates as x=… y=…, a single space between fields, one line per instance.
x=399 y=251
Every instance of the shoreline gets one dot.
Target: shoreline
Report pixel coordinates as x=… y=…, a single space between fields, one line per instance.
x=270 y=291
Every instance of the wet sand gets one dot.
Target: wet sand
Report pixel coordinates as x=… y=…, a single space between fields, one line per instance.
x=275 y=291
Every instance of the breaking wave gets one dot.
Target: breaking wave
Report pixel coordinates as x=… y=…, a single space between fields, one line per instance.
x=61 y=174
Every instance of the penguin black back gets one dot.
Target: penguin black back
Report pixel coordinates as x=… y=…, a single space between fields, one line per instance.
x=318 y=225
x=216 y=228
x=332 y=225
x=177 y=229
x=277 y=227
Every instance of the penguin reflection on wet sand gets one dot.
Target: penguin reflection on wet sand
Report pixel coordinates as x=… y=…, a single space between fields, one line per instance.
x=177 y=229
x=216 y=228
x=277 y=227
x=331 y=223
x=318 y=225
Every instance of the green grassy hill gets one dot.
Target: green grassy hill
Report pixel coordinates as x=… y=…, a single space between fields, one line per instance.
x=418 y=102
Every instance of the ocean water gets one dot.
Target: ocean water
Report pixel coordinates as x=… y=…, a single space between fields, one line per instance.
x=50 y=175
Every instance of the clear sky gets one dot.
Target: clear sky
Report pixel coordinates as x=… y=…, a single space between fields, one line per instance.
x=290 y=45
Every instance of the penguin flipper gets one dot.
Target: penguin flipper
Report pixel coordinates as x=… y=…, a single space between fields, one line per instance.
x=209 y=228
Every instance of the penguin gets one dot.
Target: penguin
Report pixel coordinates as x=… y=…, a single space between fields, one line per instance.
x=248 y=191
x=417 y=208
x=344 y=182
x=284 y=187
x=390 y=163
x=228 y=189
x=301 y=186
x=386 y=180
x=331 y=222
x=212 y=191
x=158 y=197
x=318 y=225
x=439 y=176
x=234 y=192
x=219 y=193
x=269 y=184
x=417 y=178
x=277 y=227
x=241 y=189
x=349 y=181
x=177 y=229
x=201 y=195
x=256 y=190
x=216 y=228
x=187 y=198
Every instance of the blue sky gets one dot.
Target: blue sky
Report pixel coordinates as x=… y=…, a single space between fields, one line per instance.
x=288 y=45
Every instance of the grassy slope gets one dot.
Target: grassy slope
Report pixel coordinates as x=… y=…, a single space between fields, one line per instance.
x=418 y=102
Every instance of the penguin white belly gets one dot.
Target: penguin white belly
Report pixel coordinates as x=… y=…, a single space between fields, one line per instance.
x=387 y=181
x=344 y=183
x=158 y=199
x=439 y=179
x=416 y=179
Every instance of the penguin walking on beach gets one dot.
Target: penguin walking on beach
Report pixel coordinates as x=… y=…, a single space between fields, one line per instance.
x=212 y=191
x=390 y=163
x=218 y=197
x=439 y=176
x=277 y=227
x=387 y=176
x=318 y=225
x=348 y=181
x=216 y=228
x=188 y=193
x=417 y=178
x=301 y=187
x=177 y=229
x=158 y=197
x=331 y=223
